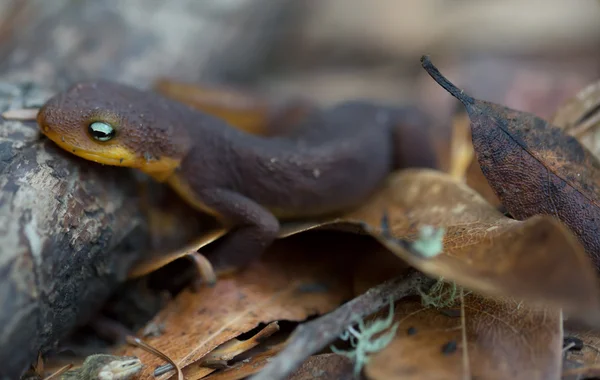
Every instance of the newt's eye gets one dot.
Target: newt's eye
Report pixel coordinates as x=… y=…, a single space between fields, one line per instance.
x=101 y=131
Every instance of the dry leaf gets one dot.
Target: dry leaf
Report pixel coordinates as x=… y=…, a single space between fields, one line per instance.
x=463 y=163
x=580 y=117
x=580 y=113
x=247 y=111
x=461 y=147
x=312 y=337
x=497 y=339
x=229 y=350
x=534 y=167
x=537 y=259
x=295 y=279
x=249 y=366
x=219 y=357
x=476 y=180
x=324 y=367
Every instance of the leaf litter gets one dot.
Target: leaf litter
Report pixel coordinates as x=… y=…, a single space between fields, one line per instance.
x=491 y=338
x=292 y=281
x=501 y=260
x=483 y=250
x=534 y=167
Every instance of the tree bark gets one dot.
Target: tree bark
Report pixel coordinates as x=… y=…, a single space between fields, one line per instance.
x=71 y=229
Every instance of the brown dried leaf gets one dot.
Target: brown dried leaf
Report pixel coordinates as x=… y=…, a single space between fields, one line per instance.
x=476 y=180
x=537 y=259
x=219 y=357
x=463 y=163
x=295 y=279
x=580 y=113
x=324 y=367
x=247 y=111
x=311 y=337
x=249 y=366
x=229 y=350
x=497 y=339
x=534 y=167
x=461 y=148
x=580 y=117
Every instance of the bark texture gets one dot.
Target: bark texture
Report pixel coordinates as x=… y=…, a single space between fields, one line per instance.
x=70 y=229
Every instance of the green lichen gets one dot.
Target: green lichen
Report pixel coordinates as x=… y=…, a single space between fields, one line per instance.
x=430 y=242
x=363 y=339
x=440 y=295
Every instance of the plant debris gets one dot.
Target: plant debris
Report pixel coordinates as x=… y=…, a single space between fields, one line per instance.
x=363 y=339
x=534 y=168
x=315 y=335
x=497 y=338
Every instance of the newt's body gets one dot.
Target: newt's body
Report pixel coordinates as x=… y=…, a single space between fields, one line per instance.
x=334 y=161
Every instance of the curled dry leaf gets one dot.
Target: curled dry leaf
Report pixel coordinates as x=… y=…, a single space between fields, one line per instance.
x=580 y=117
x=496 y=339
x=537 y=259
x=534 y=167
x=219 y=357
x=295 y=279
x=250 y=366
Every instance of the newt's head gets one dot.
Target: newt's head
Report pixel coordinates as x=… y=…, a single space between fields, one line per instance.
x=114 y=124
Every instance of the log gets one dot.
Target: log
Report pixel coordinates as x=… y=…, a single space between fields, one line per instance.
x=70 y=229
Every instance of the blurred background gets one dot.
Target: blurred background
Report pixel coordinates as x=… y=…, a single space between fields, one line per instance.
x=530 y=55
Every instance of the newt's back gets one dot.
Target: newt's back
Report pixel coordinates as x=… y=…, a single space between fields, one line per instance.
x=331 y=161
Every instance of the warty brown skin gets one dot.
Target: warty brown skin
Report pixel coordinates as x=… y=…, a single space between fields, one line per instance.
x=332 y=162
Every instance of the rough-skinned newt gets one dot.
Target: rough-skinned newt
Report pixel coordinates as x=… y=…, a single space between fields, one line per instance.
x=333 y=161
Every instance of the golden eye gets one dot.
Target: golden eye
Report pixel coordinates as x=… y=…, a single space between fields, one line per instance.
x=101 y=131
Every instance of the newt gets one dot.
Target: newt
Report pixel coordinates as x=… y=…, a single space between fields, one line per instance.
x=332 y=162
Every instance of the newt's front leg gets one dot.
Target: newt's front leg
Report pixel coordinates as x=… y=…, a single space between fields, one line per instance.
x=254 y=228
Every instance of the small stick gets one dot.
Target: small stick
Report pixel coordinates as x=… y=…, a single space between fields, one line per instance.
x=145 y=346
x=59 y=372
x=24 y=114
x=311 y=337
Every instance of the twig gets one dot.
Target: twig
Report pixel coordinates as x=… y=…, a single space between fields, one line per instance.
x=313 y=336
x=138 y=343
x=59 y=372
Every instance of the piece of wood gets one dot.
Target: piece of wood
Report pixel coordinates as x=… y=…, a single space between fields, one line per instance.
x=70 y=230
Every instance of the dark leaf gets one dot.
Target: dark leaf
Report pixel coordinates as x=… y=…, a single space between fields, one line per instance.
x=534 y=167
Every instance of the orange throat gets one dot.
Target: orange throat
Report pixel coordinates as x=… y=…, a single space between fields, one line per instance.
x=116 y=155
